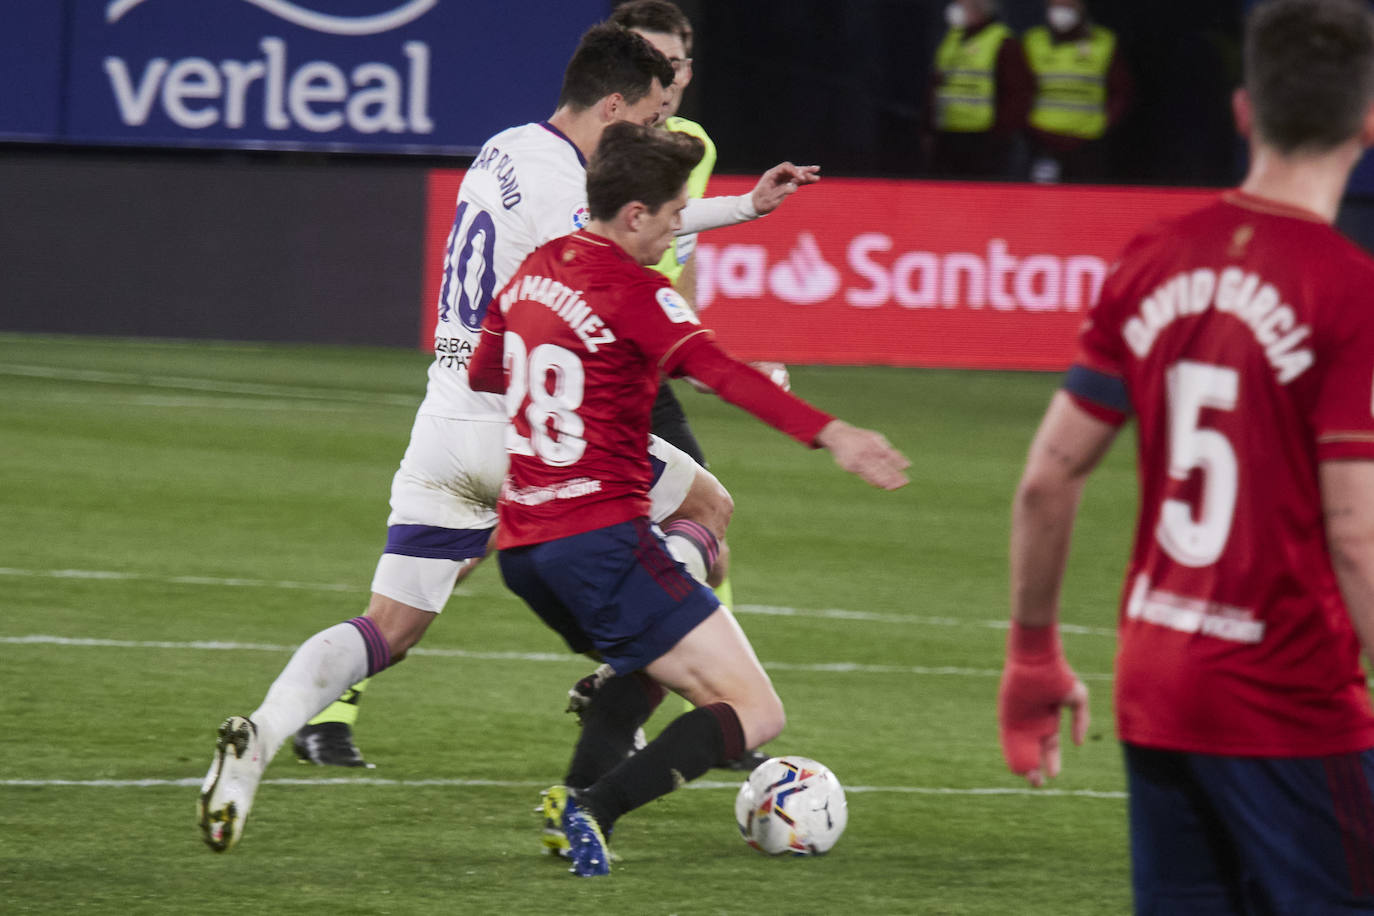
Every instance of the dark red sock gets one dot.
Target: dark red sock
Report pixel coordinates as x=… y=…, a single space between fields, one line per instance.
x=690 y=745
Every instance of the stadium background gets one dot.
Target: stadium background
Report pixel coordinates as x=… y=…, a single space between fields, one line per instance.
x=159 y=230
x=180 y=513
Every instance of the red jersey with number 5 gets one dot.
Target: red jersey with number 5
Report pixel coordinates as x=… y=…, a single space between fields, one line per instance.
x=1244 y=335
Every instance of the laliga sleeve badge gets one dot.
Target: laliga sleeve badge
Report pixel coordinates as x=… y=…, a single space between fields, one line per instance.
x=675 y=307
x=581 y=216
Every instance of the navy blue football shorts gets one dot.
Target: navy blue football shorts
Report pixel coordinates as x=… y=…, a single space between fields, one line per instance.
x=615 y=590
x=1254 y=835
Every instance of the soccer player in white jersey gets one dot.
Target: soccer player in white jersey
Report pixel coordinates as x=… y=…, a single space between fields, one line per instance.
x=525 y=187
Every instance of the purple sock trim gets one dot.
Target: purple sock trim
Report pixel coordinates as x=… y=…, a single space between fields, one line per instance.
x=730 y=729
x=378 y=652
x=700 y=536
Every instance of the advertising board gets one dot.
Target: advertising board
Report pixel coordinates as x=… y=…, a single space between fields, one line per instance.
x=30 y=69
x=897 y=273
x=420 y=76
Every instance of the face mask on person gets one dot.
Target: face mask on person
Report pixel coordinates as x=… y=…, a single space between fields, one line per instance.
x=1063 y=18
x=955 y=16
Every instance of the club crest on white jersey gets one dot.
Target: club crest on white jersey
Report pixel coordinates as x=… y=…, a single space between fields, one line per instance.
x=675 y=307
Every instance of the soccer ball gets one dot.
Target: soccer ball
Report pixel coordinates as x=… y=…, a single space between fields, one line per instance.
x=791 y=806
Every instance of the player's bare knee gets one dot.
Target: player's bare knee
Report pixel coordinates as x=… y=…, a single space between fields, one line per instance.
x=720 y=506
x=401 y=625
x=708 y=503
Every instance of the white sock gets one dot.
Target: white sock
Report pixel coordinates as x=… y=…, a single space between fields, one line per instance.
x=325 y=665
x=686 y=552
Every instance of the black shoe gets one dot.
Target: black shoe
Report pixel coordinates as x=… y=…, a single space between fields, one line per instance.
x=746 y=762
x=329 y=744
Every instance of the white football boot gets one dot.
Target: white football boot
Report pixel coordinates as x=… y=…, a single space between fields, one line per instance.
x=227 y=793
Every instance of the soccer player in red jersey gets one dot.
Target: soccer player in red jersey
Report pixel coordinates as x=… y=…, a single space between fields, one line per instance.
x=577 y=341
x=1241 y=338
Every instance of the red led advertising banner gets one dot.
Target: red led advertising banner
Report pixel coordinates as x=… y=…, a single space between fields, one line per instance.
x=898 y=273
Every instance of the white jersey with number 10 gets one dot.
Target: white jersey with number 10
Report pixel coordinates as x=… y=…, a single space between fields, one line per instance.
x=526 y=187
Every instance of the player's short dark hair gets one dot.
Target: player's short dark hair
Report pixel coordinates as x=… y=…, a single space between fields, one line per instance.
x=654 y=16
x=1309 y=70
x=637 y=163
x=612 y=59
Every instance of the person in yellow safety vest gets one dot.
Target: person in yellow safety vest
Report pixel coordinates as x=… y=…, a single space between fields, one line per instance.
x=980 y=95
x=1082 y=89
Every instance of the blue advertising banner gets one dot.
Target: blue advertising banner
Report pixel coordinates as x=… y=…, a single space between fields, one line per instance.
x=427 y=76
x=31 y=69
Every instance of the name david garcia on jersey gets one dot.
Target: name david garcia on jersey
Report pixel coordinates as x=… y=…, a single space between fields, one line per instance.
x=1246 y=295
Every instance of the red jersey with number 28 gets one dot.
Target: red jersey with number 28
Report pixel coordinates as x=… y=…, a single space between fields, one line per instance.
x=1244 y=333
x=583 y=333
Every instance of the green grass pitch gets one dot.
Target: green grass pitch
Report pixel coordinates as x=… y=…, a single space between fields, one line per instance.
x=178 y=516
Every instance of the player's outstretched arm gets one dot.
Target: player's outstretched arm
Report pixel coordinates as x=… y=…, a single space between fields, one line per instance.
x=864 y=453
x=1037 y=682
x=860 y=451
x=774 y=186
x=1347 y=489
x=781 y=182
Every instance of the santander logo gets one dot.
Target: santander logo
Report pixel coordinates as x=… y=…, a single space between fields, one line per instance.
x=805 y=277
x=304 y=17
x=874 y=276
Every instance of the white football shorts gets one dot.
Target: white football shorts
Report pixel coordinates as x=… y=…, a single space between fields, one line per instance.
x=443 y=504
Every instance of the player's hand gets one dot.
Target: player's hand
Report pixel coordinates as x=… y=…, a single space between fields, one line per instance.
x=776 y=372
x=1035 y=688
x=779 y=182
x=864 y=453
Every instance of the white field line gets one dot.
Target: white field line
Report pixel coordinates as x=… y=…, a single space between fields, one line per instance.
x=214 y=386
x=563 y=658
x=125 y=344
x=701 y=784
x=839 y=614
x=215 y=581
x=761 y=609
x=192 y=402
x=218 y=646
